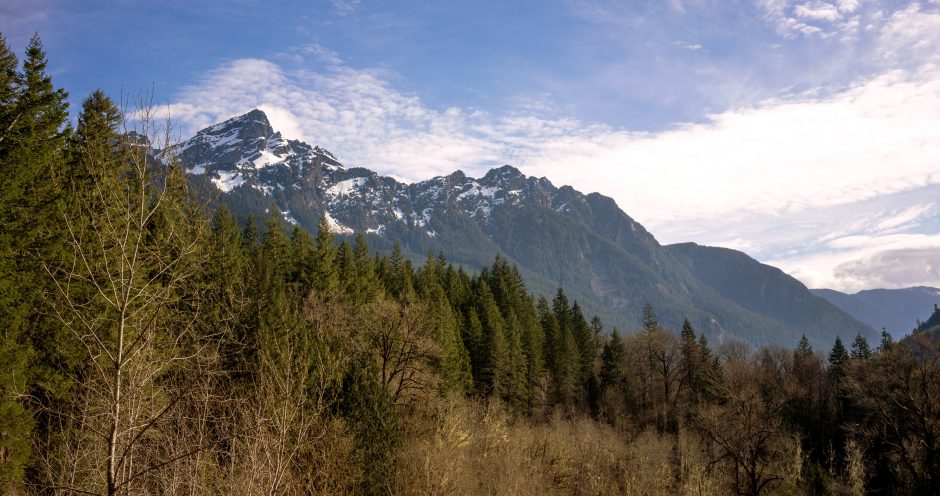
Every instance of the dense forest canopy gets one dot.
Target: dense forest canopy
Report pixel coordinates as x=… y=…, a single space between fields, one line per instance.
x=150 y=346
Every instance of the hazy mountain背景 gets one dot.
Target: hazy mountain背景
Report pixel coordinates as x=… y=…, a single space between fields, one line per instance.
x=896 y=310
x=557 y=236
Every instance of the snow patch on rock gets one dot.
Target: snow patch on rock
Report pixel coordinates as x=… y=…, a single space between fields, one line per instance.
x=228 y=180
x=336 y=226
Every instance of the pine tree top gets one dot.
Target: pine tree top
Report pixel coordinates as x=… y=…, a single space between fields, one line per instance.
x=838 y=356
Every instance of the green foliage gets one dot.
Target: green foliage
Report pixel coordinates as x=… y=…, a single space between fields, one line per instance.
x=366 y=404
x=860 y=348
x=886 y=341
x=838 y=358
x=276 y=250
x=364 y=283
x=33 y=133
x=613 y=356
x=650 y=322
x=325 y=273
x=473 y=340
x=454 y=365
x=803 y=348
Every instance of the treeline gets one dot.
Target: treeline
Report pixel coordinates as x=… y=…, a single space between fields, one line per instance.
x=150 y=347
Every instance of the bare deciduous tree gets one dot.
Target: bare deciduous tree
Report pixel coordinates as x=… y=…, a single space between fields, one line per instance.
x=748 y=440
x=118 y=295
x=400 y=335
x=899 y=390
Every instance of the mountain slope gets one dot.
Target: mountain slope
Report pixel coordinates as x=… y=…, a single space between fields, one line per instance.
x=897 y=310
x=768 y=291
x=557 y=236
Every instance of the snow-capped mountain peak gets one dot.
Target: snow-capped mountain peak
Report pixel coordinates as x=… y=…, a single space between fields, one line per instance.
x=250 y=163
x=246 y=151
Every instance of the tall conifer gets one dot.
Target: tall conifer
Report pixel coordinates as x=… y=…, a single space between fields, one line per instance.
x=33 y=131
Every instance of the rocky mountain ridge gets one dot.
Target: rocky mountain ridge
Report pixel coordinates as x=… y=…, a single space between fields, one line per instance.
x=556 y=235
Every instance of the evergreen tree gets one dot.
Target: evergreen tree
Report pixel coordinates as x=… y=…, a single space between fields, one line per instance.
x=366 y=404
x=346 y=269
x=838 y=358
x=473 y=341
x=365 y=283
x=703 y=347
x=92 y=146
x=496 y=355
x=276 y=251
x=228 y=277
x=568 y=369
x=691 y=362
x=532 y=347
x=9 y=89
x=860 y=349
x=597 y=329
x=584 y=336
x=325 y=274
x=613 y=359
x=427 y=275
x=517 y=380
x=550 y=333
x=398 y=279
x=33 y=132
x=566 y=358
x=886 y=341
x=561 y=309
x=250 y=235
x=650 y=323
x=803 y=349
x=303 y=267
x=454 y=362
x=712 y=373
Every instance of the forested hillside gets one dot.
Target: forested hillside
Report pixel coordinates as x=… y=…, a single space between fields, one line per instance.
x=152 y=345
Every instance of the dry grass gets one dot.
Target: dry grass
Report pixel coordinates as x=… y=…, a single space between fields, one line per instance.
x=478 y=449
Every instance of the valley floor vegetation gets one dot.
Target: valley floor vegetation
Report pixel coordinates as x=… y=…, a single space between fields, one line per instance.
x=149 y=346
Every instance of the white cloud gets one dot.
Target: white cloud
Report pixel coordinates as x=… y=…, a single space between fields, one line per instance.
x=689 y=46
x=817 y=11
x=911 y=34
x=791 y=153
x=322 y=53
x=899 y=26
x=780 y=155
x=782 y=179
x=886 y=262
x=895 y=268
x=791 y=20
x=848 y=6
x=283 y=120
x=905 y=217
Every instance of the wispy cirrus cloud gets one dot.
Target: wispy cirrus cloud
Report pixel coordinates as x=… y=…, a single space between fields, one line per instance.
x=344 y=7
x=19 y=19
x=322 y=53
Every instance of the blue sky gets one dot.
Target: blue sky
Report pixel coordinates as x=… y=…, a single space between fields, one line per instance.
x=806 y=133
